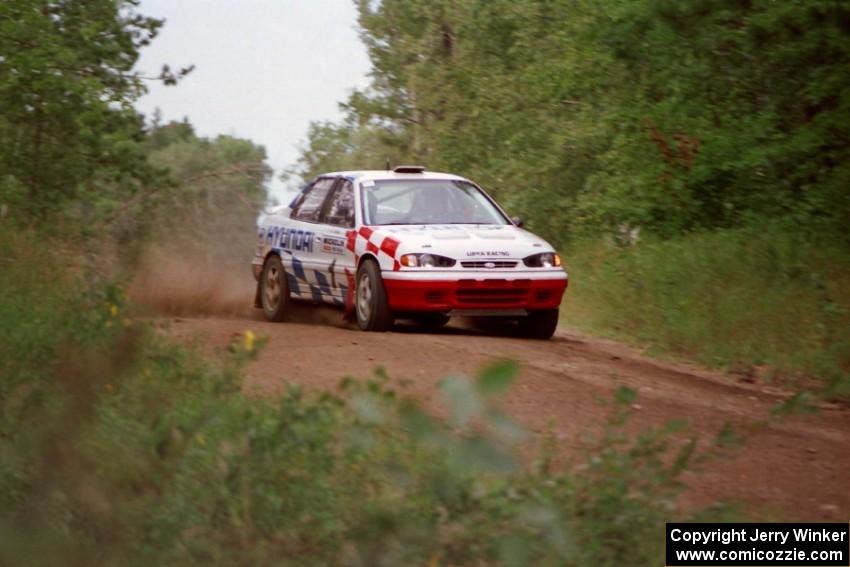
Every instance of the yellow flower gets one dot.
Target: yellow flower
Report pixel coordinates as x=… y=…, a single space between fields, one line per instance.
x=200 y=439
x=113 y=310
x=249 y=341
x=108 y=324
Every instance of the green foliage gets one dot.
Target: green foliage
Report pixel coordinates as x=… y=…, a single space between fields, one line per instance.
x=70 y=140
x=120 y=447
x=757 y=302
x=497 y=377
x=588 y=116
x=219 y=187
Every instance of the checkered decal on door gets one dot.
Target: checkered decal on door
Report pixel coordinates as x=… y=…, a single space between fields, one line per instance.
x=368 y=240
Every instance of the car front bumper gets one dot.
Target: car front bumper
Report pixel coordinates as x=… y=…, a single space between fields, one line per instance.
x=490 y=294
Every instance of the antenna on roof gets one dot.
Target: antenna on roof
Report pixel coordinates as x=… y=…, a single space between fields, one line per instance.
x=388 y=164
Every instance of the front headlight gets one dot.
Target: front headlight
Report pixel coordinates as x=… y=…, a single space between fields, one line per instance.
x=426 y=261
x=544 y=260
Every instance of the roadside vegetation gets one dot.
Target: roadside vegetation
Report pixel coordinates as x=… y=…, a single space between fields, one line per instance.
x=759 y=304
x=691 y=158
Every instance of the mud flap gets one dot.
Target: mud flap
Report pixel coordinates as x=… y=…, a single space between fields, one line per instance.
x=349 y=314
x=258 y=301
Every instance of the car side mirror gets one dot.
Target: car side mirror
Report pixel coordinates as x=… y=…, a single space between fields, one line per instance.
x=517 y=221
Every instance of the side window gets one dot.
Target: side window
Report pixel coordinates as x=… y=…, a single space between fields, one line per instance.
x=340 y=209
x=309 y=208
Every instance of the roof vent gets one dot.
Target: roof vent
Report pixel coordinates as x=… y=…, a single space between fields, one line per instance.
x=409 y=169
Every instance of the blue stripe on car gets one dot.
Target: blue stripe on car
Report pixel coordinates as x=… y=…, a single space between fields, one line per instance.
x=292 y=281
x=323 y=282
x=298 y=268
x=316 y=293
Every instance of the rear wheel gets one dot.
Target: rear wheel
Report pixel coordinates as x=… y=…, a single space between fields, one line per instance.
x=274 y=290
x=539 y=324
x=373 y=311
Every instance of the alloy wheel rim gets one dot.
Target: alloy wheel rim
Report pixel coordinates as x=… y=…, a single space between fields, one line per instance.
x=364 y=298
x=272 y=291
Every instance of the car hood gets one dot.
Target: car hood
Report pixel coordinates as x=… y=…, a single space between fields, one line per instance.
x=466 y=241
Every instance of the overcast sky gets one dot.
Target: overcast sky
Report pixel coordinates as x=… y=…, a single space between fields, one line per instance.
x=263 y=68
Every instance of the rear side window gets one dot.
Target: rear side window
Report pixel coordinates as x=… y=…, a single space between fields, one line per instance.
x=340 y=209
x=309 y=207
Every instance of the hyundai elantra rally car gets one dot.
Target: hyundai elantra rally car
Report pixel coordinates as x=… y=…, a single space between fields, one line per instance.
x=406 y=244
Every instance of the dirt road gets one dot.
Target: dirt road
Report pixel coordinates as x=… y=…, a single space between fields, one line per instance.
x=798 y=469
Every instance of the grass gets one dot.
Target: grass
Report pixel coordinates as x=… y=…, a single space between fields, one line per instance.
x=762 y=303
x=120 y=447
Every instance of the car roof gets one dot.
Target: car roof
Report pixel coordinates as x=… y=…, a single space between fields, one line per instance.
x=379 y=174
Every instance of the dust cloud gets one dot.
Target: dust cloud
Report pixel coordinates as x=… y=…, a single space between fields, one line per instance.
x=182 y=283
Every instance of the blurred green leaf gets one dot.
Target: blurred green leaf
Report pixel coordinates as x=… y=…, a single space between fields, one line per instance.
x=497 y=377
x=463 y=399
x=625 y=396
x=727 y=437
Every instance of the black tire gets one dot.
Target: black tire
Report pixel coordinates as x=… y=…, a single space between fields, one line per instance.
x=370 y=299
x=539 y=324
x=274 y=290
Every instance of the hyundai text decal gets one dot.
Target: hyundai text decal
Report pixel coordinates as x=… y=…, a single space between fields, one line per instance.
x=487 y=253
x=290 y=239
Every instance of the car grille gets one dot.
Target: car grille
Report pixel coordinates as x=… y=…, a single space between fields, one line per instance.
x=489 y=264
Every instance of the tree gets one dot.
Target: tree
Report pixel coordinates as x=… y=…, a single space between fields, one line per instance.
x=68 y=131
x=586 y=115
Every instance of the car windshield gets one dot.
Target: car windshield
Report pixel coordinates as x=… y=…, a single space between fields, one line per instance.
x=427 y=201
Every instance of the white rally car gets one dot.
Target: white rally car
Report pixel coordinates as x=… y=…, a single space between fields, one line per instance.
x=406 y=244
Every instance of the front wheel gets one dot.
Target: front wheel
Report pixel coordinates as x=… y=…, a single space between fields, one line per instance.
x=373 y=311
x=274 y=290
x=539 y=324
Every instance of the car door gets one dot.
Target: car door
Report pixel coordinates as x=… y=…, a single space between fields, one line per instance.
x=334 y=260
x=300 y=242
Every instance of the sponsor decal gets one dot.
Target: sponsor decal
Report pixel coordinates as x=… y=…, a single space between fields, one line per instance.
x=290 y=238
x=487 y=253
x=333 y=245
